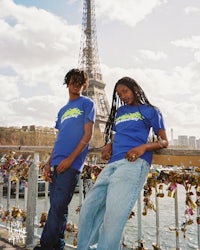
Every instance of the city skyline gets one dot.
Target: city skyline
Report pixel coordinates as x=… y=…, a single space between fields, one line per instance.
x=184 y=140
x=155 y=43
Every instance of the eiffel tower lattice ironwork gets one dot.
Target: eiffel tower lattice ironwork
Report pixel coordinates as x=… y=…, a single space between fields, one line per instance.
x=89 y=61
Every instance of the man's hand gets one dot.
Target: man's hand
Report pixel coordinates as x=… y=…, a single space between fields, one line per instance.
x=107 y=152
x=135 y=153
x=64 y=165
x=48 y=173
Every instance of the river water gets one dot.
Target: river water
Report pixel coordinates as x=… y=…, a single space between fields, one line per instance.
x=167 y=236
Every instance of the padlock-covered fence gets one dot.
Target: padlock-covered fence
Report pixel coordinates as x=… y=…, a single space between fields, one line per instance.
x=164 y=182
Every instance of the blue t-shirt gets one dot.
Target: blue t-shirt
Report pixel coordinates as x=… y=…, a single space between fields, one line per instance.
x=70 y=123
x=132 y=128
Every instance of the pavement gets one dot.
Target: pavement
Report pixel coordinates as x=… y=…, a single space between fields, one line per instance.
x=5 y=244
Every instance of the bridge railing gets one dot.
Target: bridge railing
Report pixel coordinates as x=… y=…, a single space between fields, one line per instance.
x=170 y=167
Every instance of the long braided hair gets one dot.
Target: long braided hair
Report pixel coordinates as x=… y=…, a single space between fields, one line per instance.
x=116 y=103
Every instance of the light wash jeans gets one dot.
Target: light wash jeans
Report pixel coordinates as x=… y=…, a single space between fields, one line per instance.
x=108 y=204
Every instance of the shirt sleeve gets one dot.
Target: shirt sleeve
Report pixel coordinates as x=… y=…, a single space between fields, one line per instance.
x=157 y=122
x=90 y=111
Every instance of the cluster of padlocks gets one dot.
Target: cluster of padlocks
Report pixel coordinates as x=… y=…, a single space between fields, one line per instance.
x=16 y=214
x=188 y=178
x=16 y=167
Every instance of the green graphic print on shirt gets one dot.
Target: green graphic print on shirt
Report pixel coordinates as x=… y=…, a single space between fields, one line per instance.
x=75 y=112
x=130 y=116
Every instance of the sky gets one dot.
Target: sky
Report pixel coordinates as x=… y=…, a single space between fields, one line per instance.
x=156 y=42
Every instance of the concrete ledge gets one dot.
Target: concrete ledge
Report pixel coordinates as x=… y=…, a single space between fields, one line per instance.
x=177 y=157
x=166 y=157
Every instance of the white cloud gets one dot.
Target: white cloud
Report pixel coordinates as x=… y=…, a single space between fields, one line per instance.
x=35 y=45
x=36 y=39
x=129 y=12
x=197 y=56
x=191 y=43
x=176 y=93
x=191 y=9
x=9 y=88
x=153 y=55
x=37 y=48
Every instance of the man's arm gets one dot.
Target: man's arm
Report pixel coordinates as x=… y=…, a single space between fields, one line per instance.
x=66 y=163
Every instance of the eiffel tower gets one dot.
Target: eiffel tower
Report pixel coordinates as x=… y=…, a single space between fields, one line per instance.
x=89 y=61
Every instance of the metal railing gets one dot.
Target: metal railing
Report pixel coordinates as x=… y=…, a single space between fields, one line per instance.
x=172 y=177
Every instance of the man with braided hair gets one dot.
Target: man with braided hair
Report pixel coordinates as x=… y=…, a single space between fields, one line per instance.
x=75 y=125
x=108 y=204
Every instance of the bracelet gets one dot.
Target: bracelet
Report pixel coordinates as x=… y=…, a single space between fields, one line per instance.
x=160 y=144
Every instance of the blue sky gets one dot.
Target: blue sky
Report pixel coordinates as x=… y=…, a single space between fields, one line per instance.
x=157 y=42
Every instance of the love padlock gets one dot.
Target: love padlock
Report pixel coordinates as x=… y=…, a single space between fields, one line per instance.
x=198 y=190
x=198 y=220
x=160 y=193
x=171 y=194
x=198 y=202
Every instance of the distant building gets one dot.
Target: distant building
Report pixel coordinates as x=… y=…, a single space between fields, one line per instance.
x=32 y=127
x=25 y=128
x=198 y=144
x=175 y=142
x=183 y=141
x=192 y=142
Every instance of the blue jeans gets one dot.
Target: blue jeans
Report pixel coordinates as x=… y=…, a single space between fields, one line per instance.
x=61 y=192
x=108 y=204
